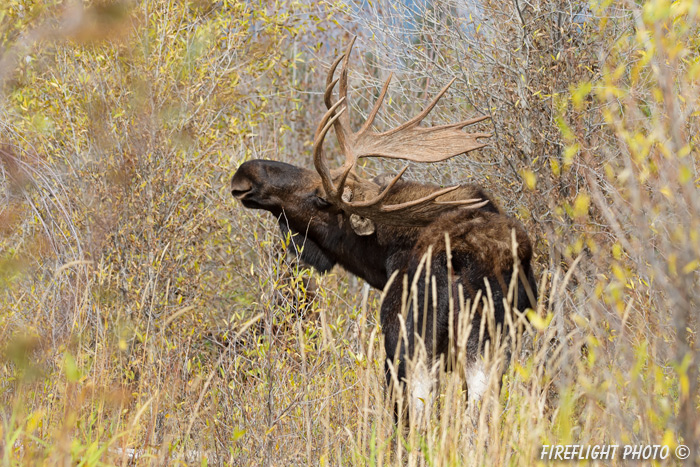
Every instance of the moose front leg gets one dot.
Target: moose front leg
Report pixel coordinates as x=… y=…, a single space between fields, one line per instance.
x=415 y=336
x=412 y=390
x=397 y=354
x=395 y=373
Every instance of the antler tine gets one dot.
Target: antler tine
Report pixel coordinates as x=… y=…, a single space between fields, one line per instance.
x=377 y=105
x=464 y=123
x=344 y=122
x=471 y=121
x=430 y=200
x=419 y=118
x=330 y=82
x=329 y=92
x=343 y=89
x=380 y=197
x=472 y=202
x=416 y=202
x=324 y=125
x=328 y=120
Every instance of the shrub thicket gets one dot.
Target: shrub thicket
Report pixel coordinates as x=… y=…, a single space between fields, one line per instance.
x=146 y=318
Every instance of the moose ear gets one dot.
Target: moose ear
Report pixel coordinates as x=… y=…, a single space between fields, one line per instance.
x=361 y=225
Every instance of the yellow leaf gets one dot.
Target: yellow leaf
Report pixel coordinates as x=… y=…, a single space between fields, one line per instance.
x=570 y=152
x=685 y=175
x=666 y=191
x=70 y=368
x=617 y=251
x=555 y=167
x=238 y=434
x=692 y=266
x=537 y=321
x=578 y=95
x=530 y=178
x=35 y=420
x=581 y=205
x=669 y=439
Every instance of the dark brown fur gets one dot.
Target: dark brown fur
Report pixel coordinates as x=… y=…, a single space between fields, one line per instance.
x=481 y=247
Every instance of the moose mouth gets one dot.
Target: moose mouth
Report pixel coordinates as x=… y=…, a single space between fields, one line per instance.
x=247 y=198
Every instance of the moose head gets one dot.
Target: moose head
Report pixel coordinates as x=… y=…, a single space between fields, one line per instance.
x=382 y=229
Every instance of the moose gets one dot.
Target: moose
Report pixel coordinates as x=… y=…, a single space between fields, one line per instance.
x=392 y=232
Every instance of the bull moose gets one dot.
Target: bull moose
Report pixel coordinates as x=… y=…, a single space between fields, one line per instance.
x=383 y=230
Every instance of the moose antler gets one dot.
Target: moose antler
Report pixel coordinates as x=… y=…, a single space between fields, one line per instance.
x=407 y=141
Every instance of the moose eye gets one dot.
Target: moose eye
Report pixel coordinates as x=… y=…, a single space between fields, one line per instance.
x=321 y=203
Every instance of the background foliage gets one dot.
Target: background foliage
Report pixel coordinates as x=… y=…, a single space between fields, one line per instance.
x=146 y=318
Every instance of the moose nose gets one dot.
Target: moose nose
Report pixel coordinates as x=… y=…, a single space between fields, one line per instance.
x=239 y=188
x=239 y=194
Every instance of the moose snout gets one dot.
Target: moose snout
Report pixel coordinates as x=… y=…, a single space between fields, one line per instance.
x=240 y=187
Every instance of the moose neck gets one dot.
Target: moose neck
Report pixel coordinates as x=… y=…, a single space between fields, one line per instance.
x=364 y=256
